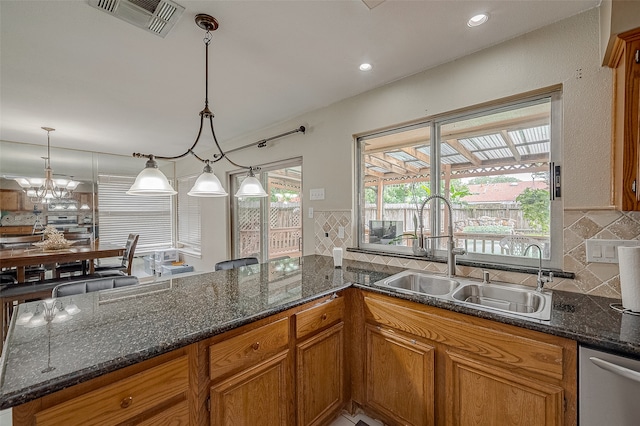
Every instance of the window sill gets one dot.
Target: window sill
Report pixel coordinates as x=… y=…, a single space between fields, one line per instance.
x=190 y=252
x=498 y=266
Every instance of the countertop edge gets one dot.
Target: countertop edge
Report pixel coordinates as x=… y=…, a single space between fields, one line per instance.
x=16 y=398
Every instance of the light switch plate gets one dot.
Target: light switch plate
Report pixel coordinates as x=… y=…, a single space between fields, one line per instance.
x=606 y=251
x=316 y=194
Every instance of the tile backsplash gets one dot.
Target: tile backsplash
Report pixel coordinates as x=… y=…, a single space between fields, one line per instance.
x=600 y=279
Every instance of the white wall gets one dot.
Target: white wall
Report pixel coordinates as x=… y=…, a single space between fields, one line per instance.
x=567 y=52
x=616 y=17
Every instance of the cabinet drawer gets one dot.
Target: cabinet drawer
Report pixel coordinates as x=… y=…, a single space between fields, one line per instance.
x=528 y=350
x=177 y=415
x=319 y=316
x=124 y=399
x=248 y=348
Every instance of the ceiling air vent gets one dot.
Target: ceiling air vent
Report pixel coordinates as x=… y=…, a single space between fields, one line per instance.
x=156 y=16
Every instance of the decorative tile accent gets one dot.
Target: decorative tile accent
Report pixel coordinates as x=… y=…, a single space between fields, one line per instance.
x=625 y=228
x=326 y=232
x=591 y=278
x=585 y=228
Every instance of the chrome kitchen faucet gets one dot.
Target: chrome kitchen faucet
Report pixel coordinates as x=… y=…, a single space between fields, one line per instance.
x=451 y=250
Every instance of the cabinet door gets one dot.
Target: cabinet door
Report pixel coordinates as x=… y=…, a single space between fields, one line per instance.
x=626 y=128
x=399 y=377
x=320 y=376
x=481 y=394
x=256 y=396
x=10 y=200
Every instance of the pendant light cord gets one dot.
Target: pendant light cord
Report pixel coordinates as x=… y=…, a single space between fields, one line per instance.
x=206 y=112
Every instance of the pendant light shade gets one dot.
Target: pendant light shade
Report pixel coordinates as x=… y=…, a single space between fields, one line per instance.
x=251 y=187
x=151 y=181
x=207 y=185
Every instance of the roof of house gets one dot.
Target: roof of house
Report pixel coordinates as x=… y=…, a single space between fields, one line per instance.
x=500 y=192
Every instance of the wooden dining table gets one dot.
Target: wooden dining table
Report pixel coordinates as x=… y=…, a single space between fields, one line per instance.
x=23 y=257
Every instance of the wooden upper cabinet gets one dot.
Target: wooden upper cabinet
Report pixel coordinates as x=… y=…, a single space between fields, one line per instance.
x=10 y=200
x=625 y=60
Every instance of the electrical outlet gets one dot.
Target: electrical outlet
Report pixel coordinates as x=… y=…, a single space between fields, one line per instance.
x=606 y=251
x=316 y=194
x=340 y=231
x=310 y=212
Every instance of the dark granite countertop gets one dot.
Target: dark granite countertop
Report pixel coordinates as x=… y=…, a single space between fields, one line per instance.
x=121 y=327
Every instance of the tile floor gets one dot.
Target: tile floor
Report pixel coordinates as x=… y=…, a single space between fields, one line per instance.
x=345 y=419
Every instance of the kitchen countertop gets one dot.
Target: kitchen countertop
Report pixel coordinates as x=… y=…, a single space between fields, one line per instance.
x=121 y=327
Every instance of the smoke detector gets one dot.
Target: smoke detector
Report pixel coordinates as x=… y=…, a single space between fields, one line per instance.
x=155 y=16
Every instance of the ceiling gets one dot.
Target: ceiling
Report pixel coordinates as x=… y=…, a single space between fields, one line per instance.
x=108 y=86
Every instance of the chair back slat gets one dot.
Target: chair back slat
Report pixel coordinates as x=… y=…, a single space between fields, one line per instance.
x=23 y=241
x=79 y=237
x=129 y=251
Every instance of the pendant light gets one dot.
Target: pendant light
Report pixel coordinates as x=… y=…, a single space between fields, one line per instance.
x=151 y=181
x=251 y=187
x=207 y=184
x=47 y=190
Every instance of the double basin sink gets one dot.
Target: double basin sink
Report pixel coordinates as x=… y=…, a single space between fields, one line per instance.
x=512 y=299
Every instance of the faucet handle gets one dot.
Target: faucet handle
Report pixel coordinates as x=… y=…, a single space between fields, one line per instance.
x=550 y=279
x=459 y=251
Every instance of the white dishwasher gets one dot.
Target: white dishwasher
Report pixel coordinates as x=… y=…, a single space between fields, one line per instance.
x=608 y=389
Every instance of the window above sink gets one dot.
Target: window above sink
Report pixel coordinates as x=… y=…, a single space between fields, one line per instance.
x=497 y=165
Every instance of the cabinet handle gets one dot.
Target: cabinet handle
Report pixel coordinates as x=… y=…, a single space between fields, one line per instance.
x=255 y=346
x=324 y=317
x=126 y=402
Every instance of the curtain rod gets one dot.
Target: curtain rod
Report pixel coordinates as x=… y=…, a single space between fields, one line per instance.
x=263 y=142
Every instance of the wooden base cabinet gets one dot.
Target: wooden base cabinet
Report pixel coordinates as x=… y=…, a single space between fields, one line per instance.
x=429 y=366
x=320 y=376
x=256 y=396
x=154 y=392
x=483 y=394
x=399 y=377
x=320 y=366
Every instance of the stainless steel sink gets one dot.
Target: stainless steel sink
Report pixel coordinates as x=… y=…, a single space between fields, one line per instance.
x=512 y=299
x=422 y=283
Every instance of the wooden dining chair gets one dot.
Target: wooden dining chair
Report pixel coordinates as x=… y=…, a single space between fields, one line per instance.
x=36 y=272
x=124 y=267
x=80 y=266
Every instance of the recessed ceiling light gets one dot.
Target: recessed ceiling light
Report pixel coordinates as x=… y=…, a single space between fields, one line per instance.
x=365 y=67
x=478 y=20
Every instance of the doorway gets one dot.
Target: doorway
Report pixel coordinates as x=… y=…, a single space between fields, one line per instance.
x=270 y=227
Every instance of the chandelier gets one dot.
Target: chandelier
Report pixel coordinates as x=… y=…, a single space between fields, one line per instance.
x=47 y=190
x=151 y=181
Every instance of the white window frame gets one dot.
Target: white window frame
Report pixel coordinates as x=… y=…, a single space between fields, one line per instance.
x=188 y=217
x=555 y=260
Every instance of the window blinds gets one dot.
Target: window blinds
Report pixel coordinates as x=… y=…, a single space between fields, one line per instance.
x=188 y=215
x=120 y=214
